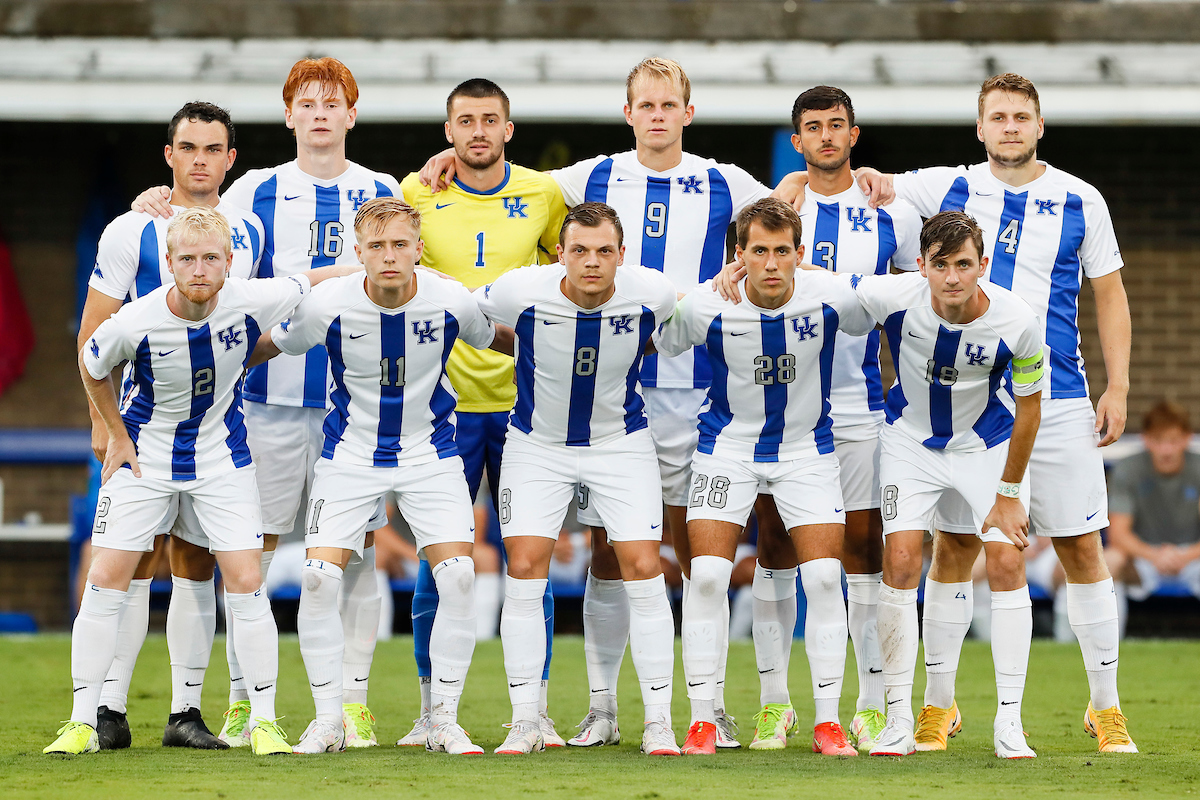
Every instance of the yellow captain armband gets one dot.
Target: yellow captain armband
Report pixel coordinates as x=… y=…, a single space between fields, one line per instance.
x=1027 y=370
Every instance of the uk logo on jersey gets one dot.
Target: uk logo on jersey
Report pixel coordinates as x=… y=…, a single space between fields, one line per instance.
x=858 y=219
x=691 y=184
x=621 y=324
x=1047 y=207
x=423 y=330
x=230 y=337
x=515 y=207
x=238 y=239
x=357 y=197
x=976 y=356
x=806 y=329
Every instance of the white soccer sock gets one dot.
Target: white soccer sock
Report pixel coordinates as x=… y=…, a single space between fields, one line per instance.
x=898 y=632
x=1012 y=633
x=191 y=625
x=452 y=642
x=523 y=634
x=1092 y=609
x=605 y=635
x=774 y=593
x=701 y=632
x=237 y=682
x=948 y=611
x=257 y=646
x=652 y=643
x=360 y=620
x=862 y=609
x=93 y=647
x=723 y=655
x=387 y=606
x=489 y=596
x=825 y=634
x=322 y=640
x=131 y=634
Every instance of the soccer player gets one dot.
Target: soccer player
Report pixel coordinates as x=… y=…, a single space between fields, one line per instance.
x=762 y=427
x=493 y=217
x=953 y=338
x=1045 y=231
x=391 y=429
x=181 y=434
x=306 y=207
x=130 y=263
x=582 y=326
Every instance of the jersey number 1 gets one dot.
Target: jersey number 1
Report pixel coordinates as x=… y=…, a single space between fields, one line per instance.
x=391 y=371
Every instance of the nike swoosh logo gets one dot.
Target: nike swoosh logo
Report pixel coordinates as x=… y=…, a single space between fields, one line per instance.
x=110 y=680
x=440 y=206
x=655 y=527
x=934 y=664
x=258 y=688
x=1009 y=749
x=873 y=671
x=164 y=355
x=319 y=685
x=1089 y=516
x=738 y=333
x=837 y=511
x=185 y=683
x=360 y=680
x=293 y=197
x=258 y=536
x=597 y=691
x=765 y=671
x=695 y=684
x=443 y=680
x=823 y=685
x=548 y=322
x=1108 y=663
x=890 y=702
x=515 y=685
x=656 y=688
x=77 y=688
x=357 y=335
x=910 y=333
x=1008 y=703
x=984 y=194
x=620 y=179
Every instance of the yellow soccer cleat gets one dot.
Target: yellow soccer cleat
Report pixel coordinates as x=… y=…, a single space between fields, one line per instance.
x=935 y=726
x=268 y=739
x=75 y=738
x=1108 y=727
x=359 y=724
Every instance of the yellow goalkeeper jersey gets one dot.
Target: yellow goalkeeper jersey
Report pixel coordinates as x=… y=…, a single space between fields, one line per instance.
x=475 y=237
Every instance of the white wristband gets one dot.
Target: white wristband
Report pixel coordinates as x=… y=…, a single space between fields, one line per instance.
x=1007 y=489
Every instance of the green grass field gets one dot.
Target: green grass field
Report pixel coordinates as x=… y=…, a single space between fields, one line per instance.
x=1160 y=695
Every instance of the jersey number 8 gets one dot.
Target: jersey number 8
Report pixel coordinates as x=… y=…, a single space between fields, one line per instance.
x=585 y=362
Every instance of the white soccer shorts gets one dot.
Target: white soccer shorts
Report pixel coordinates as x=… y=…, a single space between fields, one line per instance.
x=432 y=496
x=130 y=510
x=807 y=491
x=916 y=477
x=859 y=463
x=538 y=482
x=1066 y=476
x=286 y=445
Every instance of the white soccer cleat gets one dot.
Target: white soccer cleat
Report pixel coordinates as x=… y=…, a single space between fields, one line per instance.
x=523 y=738
x=896 y=739
x=598 y=728
x=550 y=737
x=659 y=740
x=1010 y=742
x=321 y=737
x=449 y=737
x=419 y=734
x=727 y=731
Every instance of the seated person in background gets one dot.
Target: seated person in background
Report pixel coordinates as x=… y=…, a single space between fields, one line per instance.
x=1154 y=506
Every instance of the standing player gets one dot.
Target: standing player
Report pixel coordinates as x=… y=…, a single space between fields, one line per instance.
x=130 y=263
x=391 y=429
x=493 y=217
x=1045 y=231
x=306 y=207
x=762 y=427
x=949 y=428
x=582 y=326
x=181 y=434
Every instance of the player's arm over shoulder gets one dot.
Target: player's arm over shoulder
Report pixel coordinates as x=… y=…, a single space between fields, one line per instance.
x=883 y=295
x=678 y=333
x=241 y=192
x=927 y=187
x=474 y=327
x=573 y=180
x=853 y=317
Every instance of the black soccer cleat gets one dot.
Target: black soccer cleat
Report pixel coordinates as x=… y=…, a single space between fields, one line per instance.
x=112 y=729
x=187 y=729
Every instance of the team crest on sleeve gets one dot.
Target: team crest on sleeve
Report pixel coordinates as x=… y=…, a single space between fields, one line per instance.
x=691 y=184
x=515 y=207
x=423 y=330
x=95 y=348
x=621 y=324
x=975 y=355
x=238 y=239
x=806 y=329
x=231 y=337
x=357 y=197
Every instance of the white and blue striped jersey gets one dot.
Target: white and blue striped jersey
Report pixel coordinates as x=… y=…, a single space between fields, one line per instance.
x=183 y=410
x=391 y=401
x=1042 y=238
x=577 y=368
x=772 y=368
x=131 y=258
x=675 y=222
x=841 y=233
x=948 y=393
x=308 y=222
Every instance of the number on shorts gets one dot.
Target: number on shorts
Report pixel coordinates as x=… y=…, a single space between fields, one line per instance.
x=101 y=511
x=890 y=494
x=391 y=371
x=202 y=382
x=505 y=506
x=718 y=491
x=582 y=496
x=316 y=516
x=332 y=246
x=585 y=361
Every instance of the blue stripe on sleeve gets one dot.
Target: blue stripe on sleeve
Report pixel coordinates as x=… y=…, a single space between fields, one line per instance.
x=635 y=417
x=995 y=423
x=141 y=407
x=200 y=354
x=941 y=402
x=338 y=416
x=1062 y=315
x=887 y=241
x=823 y=432
x=775 y=392
x=441 y=402
x=255 y=247
x=596 y=190
x=956 y=197
x=264 y=208
x=896 y=401
x=381 y=190
x=522 y=415
x=392 y=341
x=718 y=415
x=1004 y=262
x=149 y=269
x=825 y=236
x=583 y=386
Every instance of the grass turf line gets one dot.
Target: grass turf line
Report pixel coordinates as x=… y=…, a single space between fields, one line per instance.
x=1158 y=683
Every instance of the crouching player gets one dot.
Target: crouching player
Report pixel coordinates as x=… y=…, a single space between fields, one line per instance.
x=181 y=433
x=581 y=328
x=767 y=423
x=949 y=428
x=390 y=429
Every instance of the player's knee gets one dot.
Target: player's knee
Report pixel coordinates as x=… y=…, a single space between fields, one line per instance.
x=902 y=566
x=242 y=578
x=521 y=566
x=710 y=577
x=642 y=567
x=1005 y=568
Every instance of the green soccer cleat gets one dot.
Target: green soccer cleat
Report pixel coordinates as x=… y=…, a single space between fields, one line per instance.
x=75 y=738
x=268 y=739
x=772 y=725
x=359 y=724
x=236 y=730
x=866 y=727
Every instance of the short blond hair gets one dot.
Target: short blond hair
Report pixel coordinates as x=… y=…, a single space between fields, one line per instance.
x=1011 y=83
x=194 y=224
x=374 y=215
x=663 y=69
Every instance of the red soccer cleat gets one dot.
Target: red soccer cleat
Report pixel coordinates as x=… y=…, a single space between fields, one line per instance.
x=830 y=740
x=701 y=740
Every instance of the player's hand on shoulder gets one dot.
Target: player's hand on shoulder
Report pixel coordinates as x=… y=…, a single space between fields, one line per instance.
x=155 y=201
x=791 y=189
x=725 y=282
x=438 y=171
x=1009 y=517
x=121 y=451
x=879 y=188
x=1111 y=414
